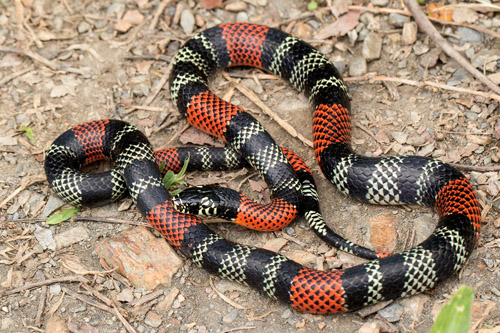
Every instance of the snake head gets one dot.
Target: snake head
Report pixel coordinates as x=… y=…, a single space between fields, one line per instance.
x=200 y=200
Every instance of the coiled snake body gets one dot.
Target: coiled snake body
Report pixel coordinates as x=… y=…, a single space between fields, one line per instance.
x=388 y=180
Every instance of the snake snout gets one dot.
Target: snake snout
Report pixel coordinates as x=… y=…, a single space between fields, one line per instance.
x=197 y=200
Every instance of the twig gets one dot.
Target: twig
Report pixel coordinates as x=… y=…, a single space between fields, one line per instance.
x=20 y=188
x=86 y=219
x=87 y=272
x=41 y=306
x=148 y=57
x=32 y=55
x=175 y=136
x=159 y=10
x=71 y=278
x=476 y=168
x=424 y=24
x=470 y=26
x=373 y=77
x=225 y=298
x=257 y=101
x=14 y=75
x=147 y=298
x=125 y=323
x=87 y=300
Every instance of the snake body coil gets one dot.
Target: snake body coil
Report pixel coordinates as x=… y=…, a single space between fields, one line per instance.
x=389 y=180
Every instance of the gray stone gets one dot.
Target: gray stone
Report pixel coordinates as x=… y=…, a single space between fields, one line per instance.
x=420 y=48
x=398 y=20
x=117 y=9
x=460 y=74
x=468 y=35
x=230 y=317
x=340 y=65
x=372 y=46
x=469 y=52
x=392 y=313
x=187 y=21
x=52 y=204
x=286 y=314
x=380 y=3
x=83 y=27
x=242 y=17
x=424 y=226
x=50 y=51
x=45 y=238
x=357 y=66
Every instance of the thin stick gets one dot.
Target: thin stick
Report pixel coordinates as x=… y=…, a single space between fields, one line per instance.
x=86 y=299
x=32 y=55
x=148 y=57
x=20 y=188
x=125 y=323
x=476 y=168
x=225 y=298
x=41 y=306
x=257 y=101
x=407 y=13
x=373 y=77
x=159 y=10
x=424 y=24
x=71 y=278
x=14 y=75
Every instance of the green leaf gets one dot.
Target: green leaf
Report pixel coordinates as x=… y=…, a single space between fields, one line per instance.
x=169 y=179
x=162 y=166
x=455 y=315
x=28 y=131
x=312 y=5
x=62 y=216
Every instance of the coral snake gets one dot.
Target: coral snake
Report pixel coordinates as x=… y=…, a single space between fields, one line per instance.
x=386 y=180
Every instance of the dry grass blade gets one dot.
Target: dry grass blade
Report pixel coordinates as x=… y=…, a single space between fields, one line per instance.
x=225 y=298
x=257 y=101
x=71 y=278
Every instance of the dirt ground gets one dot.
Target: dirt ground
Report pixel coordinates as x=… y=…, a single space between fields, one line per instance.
x=67 y=62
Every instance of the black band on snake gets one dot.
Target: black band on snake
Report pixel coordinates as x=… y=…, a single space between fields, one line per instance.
x=388 y=180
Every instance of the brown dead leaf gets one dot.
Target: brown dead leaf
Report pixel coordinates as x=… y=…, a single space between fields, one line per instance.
x=436 y=11
x=197 y=137
x=343 y=25
x=257 y=185
x=209 y=4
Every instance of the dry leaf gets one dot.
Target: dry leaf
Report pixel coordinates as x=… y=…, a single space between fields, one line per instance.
x=197 y=137
x=436 y=11
x=340 y=27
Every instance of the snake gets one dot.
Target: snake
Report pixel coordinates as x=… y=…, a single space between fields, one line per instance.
x=389 y=180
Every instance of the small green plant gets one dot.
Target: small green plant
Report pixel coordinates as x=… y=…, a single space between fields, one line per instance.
x=62 y=216
x=174 y=179
x=455 y=315
x=28 y=131
x=312 y=5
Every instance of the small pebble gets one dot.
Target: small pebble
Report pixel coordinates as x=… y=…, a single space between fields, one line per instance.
x=230 y=317
x=398 y=20
x=237 y=6
x=380 y=3
x=357 y=66
x=83 y=27
x=286 y=314
x=419 y=48
x=468 y=35
x=372 y=46
x=392 y=313
x=153 y=319
x=187 y=21
x=242 y=17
